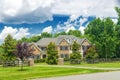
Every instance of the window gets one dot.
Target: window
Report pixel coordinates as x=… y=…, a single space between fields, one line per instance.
x=43 y=48
x=63 y=47
x=64 y=56
x=44 y=56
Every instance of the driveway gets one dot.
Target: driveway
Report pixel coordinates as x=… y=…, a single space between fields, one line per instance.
x=95 y=76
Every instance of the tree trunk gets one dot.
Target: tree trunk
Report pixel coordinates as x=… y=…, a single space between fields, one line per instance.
x=22 y=65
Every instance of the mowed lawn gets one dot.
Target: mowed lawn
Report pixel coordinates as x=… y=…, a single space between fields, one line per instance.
x=99 y=65
x=13 y=73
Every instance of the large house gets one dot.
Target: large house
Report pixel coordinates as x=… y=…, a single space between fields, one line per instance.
x=63 y=45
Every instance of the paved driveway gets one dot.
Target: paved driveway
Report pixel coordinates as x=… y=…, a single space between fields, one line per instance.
x=94 y=76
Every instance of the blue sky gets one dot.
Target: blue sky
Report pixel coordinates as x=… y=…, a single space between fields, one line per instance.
x=24 y=18
x=36 y=28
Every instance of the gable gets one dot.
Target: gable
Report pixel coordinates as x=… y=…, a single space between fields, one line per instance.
x=63 y=42
x=36 y=51
x=86 y=43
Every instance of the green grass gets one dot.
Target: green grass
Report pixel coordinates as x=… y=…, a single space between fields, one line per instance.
x=13 y=73
x=99 y=65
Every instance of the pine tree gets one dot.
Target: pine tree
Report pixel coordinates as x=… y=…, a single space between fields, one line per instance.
x=52 y=54
x=75 y=56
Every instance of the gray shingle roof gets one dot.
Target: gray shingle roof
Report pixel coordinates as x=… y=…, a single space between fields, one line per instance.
x=69 y=38
x=46 y=41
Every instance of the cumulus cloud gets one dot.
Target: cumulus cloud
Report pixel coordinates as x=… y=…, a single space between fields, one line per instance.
x=82 y=29
x=25 y=11
x=15 y=32
x=70 y=28
x=38 y=11
x=72 y=24
x=99 y=8
x=47 y=29
x=115 y=20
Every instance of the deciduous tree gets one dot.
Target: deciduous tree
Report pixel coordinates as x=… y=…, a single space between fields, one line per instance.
x=23 y=51
x=8 y=47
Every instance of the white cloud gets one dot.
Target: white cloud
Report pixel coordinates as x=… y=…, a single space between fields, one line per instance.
x=73 y=24
x=16 y=33
x=38 y=11
x=21 y=32
x=82 y=29
x=25 y=11
x=47 y=29
x=115 y=20
x=82 y=20
x=70 y=28
x=99 y=8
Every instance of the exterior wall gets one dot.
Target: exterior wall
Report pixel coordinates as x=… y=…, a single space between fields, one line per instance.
x=86 y=43
x=37 y=53
x=36 y=50
x=63 y=43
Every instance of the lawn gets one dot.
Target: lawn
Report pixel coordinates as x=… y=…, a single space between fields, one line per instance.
x=13 y=73
x=99 y=65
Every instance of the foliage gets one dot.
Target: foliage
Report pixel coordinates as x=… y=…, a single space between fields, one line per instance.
x=91 y=53
x=8 y=48
x=23 y=51
x=117 y=34
x=39 y=60
x=52 y=54
x=117 y=47
x=1 y=53
x=31 y=39
x=35 y=38
x=61 y=33
x=76 y=33
x=46 y=35
x=102 y=33
x=75 y=47
x=118 y=12
x=75 y=56
x=75 y=52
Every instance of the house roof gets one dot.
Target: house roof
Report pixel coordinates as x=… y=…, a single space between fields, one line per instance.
x=69 y=38
x=46 y=41
x=29 y=44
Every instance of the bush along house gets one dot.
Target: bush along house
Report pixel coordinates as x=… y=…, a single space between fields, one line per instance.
x=63 y=46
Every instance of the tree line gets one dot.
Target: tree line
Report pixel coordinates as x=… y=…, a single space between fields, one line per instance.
x=105 y=34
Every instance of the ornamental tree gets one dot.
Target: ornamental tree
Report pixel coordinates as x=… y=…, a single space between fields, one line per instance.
x=23 y=51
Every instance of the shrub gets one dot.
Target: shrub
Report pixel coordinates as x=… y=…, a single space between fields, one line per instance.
x=75 y=58
x=91 y=55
